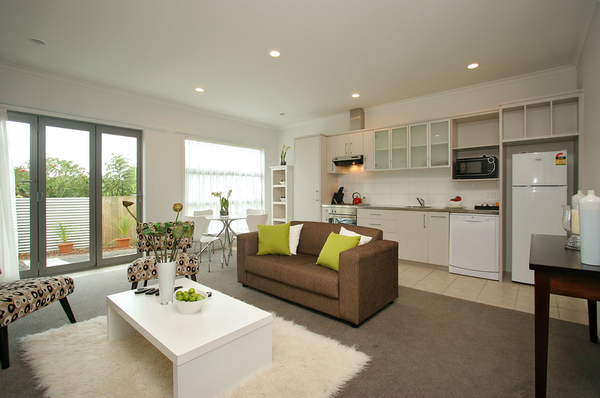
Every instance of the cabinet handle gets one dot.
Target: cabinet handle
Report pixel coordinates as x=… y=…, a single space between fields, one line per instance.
x=317 y=195
x=350 y=148
x=374 y=214
x=372 y=223
x=423 y=220
x=346 y=148
x=438 y=216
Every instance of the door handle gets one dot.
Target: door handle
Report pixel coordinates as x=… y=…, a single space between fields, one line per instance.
x=317 y=195
x=40 y=196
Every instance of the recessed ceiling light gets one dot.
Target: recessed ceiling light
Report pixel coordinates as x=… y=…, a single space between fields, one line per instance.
x=274 y=54
x=473 y=66
x=199 y=89
x=39 y=42
x=355 y=95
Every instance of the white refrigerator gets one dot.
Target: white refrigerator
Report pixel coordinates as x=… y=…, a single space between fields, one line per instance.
x=539 y=188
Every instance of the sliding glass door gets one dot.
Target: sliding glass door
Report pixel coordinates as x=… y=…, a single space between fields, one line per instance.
x=71 y=178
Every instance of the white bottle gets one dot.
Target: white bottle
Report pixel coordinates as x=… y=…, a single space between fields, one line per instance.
x=575 y=211
x=589 y=223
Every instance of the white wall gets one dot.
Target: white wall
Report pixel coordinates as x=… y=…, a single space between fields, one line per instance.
x=589 y=80
x=164 y=126
x=402 y=187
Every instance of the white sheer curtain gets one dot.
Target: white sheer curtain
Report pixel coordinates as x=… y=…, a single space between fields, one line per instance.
x=9 y=260
x=213 y=167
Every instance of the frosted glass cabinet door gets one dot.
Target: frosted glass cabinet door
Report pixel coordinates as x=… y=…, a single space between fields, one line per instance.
x=382 y=149
x=439 y=137
x=418 y=146
x=400 y=148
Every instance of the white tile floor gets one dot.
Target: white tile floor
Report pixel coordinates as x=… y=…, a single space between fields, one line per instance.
x=506 y=294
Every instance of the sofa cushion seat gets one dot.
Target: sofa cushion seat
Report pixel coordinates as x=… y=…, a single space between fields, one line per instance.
x=300 y=271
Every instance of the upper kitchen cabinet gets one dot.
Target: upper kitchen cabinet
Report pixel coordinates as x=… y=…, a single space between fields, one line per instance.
x=382 y=149
x=542 y=119
x=418 y=146
x=399 y=148
x=475 y=135
x=439 y=137
x=331 y=153
x=369 y=158
x=349 y=144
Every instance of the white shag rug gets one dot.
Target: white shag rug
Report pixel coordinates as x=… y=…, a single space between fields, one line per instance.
x=78 y=361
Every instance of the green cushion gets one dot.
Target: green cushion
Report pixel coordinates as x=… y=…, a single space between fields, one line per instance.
x=274 y=239
x=335 y=244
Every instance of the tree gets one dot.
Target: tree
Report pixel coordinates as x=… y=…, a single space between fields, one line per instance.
x=65 y=179
x=120 y=178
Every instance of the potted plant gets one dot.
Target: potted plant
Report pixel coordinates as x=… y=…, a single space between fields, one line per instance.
x=224 y=202
x=283 y=154
x=64 y=232
x=123 y=225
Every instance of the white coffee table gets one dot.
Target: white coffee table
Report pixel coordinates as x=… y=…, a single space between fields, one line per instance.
x=212 y=350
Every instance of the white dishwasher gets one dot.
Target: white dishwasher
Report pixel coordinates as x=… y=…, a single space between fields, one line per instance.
x=474 y=240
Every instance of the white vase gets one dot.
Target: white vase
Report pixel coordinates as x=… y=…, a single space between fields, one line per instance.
x=589 y=223
x=166 y=281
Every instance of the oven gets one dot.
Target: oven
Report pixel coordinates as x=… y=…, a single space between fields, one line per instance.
x=342 y=214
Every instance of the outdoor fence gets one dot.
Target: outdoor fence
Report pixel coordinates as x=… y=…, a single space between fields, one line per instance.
x=75 y=214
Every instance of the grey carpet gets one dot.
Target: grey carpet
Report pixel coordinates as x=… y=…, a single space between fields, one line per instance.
x=423 y=345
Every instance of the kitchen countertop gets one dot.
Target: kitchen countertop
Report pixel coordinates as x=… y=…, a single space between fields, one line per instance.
x=417 y=208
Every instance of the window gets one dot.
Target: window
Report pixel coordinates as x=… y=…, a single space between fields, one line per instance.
x=213 y=167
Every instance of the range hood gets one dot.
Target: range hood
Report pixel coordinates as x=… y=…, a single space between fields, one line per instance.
x=348 y=160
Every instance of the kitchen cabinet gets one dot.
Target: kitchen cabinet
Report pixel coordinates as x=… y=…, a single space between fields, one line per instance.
x=543 y=119
x=312 y=184
x=368 y=144
x=422 y=145
x=384 y=220
x=331 y=153
x=349 y=144
x=475 y=135
x=423 y=236
x=438 y=238
x=282 y=186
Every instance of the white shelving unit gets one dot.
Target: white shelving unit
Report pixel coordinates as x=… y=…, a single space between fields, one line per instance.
x=282 y=186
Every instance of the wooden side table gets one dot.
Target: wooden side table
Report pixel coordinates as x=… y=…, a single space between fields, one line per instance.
x=558 y=271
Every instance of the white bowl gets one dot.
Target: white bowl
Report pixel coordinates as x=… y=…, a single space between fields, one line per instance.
x=282 y=199
x=190 y=307
x=455 y=204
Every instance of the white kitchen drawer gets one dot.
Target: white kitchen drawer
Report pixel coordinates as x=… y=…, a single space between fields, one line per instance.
x=377 y=214
x=384 y=225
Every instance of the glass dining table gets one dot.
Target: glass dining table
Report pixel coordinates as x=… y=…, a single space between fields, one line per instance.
x=227 y=233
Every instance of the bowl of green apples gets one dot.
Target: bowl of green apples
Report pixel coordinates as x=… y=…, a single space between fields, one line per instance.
x=190 y=301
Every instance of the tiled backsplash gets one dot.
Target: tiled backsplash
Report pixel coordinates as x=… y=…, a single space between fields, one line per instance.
x=403 y=187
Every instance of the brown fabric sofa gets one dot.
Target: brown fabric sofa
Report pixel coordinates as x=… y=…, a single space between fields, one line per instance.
x=366 y=282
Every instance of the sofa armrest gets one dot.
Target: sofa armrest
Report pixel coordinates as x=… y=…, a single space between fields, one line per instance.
x=247 y=245
x=368 y=279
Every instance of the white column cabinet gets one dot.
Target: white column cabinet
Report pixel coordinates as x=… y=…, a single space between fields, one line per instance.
x=313 y=186
x=369 y=158
x=282 y=186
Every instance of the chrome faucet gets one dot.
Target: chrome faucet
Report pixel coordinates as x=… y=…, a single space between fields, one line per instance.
x=421 y=201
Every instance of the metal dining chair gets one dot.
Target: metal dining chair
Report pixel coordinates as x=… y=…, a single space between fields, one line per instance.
x=205 y=242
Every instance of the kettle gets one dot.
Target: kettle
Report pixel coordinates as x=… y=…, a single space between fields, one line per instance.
x=356 y=200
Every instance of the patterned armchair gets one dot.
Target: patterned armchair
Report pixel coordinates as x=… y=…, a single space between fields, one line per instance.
x=144 y=268
x=22 y=297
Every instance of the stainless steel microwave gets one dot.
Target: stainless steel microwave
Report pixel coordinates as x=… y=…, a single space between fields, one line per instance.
x=480 y=167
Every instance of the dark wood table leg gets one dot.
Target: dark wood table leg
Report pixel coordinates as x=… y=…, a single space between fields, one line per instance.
x=542 y=315
x=593 y=319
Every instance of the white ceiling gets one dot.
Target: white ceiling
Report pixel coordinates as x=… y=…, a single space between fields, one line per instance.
x=386 y=50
